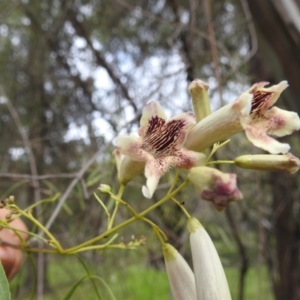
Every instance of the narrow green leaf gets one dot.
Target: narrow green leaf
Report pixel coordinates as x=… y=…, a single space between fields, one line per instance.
x=4 y=286
x=74 y=287
x=111 y=294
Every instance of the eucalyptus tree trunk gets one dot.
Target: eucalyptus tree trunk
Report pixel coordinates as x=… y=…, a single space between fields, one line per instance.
x=278 y=58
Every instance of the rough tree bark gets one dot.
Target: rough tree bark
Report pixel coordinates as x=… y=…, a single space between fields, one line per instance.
x=278 y=58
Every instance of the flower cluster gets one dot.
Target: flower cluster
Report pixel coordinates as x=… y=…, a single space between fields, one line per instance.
x=180 y=142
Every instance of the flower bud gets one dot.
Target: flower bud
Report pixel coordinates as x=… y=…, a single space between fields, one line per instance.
x=8 y=217
x=284 y=163
x=198 y=90
x=10 y=200
x=210 y=279
x=181 y=277
x=215 y=186
x=104 y=188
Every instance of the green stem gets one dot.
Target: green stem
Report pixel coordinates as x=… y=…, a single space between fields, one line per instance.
x=215 y=148
x=127 y=222
x=44 y=229
x=157 y=230
x=174 y=181
x=120 y=193
x=220 y=162
x=121 y=201
x=39 y=250
x=103 y=206
x=90 y=276
x=182 y=207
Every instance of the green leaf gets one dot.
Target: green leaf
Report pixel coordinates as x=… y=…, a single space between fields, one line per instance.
x=108 y=289
x=74 y=287
x=4 y=286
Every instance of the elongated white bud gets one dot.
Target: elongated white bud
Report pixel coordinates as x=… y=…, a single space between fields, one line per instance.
x=284 y=163
x=181 y=277
x=210 y=279
x=200 y=100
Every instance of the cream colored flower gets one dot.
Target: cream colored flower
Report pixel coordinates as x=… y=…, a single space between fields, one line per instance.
x=159 y=145
x=252 y=112
x=219 y=125
x=264 y=120
x=181 y=277
x=210 y=279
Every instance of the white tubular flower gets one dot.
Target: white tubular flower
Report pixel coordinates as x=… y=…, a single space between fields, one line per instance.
x=215 y=186
x=219 y=125
x=264 y=120
x=252 y=112
x=159 y=145
x=210 y=279
x=180 y=275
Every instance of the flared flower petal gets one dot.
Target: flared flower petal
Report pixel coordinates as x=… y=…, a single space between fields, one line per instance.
x=219 y=125
x=215 y=186
x=180 y=275
x=264 y=120
x=210 y=279
x=283 y=163
x=159 y=145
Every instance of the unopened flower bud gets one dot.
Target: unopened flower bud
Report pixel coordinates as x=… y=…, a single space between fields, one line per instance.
x=104 y=188
x=10 y=200
x=210 y=279
x=201 y=104
x=284 y=163
x=180 y=275
x=8 y=217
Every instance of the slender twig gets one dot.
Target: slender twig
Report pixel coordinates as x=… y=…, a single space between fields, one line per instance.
x=37 y=177
x=127 y=222
x=72 y=185
x=213 y=48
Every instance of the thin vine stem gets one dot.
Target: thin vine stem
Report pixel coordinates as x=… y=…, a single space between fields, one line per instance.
x=120 y=193
x=127 y=222
x=40 y=226
x=220 y=162
x=181 y=207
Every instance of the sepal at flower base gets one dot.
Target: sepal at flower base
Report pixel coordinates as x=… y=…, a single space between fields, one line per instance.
x=180 y=275
x=210 y=279
x=126 y=167
x=215 y=186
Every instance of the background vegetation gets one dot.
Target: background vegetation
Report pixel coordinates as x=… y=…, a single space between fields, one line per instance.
x=74 y=74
